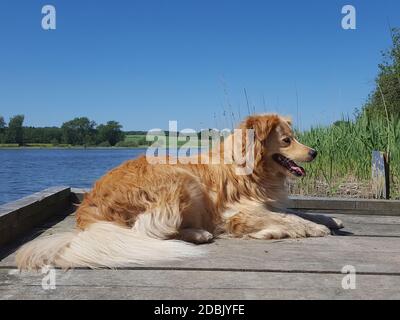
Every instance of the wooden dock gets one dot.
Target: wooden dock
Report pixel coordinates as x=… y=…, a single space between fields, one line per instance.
x=232 y=269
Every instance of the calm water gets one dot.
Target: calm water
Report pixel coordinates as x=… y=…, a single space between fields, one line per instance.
x=25 y=171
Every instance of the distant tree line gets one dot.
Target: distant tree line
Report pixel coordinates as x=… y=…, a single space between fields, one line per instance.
x=77 y=132
x=136 y=133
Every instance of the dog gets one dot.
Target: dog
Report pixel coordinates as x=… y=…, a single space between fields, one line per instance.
x=142 y=213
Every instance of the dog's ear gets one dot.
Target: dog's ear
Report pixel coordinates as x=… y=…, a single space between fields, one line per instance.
x=262 y=125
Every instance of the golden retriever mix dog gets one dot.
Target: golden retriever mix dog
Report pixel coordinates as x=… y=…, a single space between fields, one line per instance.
x=141 y=213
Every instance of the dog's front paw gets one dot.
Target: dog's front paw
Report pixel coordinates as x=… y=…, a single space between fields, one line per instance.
x=317 y=230
x=297 y=229
x=195 y=235
x=272 y=232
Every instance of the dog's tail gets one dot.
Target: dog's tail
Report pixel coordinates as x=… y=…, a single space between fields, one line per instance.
x=102 y=244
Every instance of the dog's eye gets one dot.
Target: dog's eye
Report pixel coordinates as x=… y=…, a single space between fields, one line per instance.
x=286 y=140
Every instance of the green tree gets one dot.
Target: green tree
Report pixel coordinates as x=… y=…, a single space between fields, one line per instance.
x=2 y=124
x=2 y=130
x=79 y=131
x=110 y=132
x=42 y=135
x=385 y=99
x=15 y=132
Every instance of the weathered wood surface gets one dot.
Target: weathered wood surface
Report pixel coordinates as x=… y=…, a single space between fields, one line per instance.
x=20 y=216
x=346 y=205
x=329 y=255
x=235 y=269
x=213 y=285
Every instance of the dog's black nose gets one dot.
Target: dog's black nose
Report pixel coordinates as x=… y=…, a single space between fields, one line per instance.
x=313 y=153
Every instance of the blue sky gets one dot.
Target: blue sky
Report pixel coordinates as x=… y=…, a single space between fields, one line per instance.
x=143 y=63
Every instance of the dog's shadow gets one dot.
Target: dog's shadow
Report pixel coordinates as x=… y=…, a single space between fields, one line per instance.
x=337 y=232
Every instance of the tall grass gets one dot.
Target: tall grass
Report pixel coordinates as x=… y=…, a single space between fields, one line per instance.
x=344 y=155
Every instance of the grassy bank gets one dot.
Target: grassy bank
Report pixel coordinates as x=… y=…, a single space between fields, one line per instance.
x=343 y=165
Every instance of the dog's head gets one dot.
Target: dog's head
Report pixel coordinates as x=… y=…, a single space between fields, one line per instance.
x=275 y=146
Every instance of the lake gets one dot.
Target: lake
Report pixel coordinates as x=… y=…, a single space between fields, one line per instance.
x=25 y=171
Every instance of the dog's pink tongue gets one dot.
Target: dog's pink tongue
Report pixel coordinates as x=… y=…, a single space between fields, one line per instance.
x=299 y=170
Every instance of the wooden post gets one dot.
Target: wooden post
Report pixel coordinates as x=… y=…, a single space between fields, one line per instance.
x=380 y=175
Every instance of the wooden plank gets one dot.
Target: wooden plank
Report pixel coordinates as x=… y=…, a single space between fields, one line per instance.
x=354 y=225
x=380 y=175
x=238 y=269
x=233 y=268
x=367 y=225
x=77 y=194
x=346 y=206
x=331 y=251
x=328 y=254
x=353 y=212
x=368 y=220
x=154 y=284
x=20 y=216
x=343 y=203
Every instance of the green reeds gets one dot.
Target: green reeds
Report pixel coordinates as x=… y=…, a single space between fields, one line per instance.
x=344 y=154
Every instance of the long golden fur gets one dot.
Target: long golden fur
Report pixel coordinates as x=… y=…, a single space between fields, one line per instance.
x=146 y=203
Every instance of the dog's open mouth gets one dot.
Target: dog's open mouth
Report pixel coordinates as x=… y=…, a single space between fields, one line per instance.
x=289 y=165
